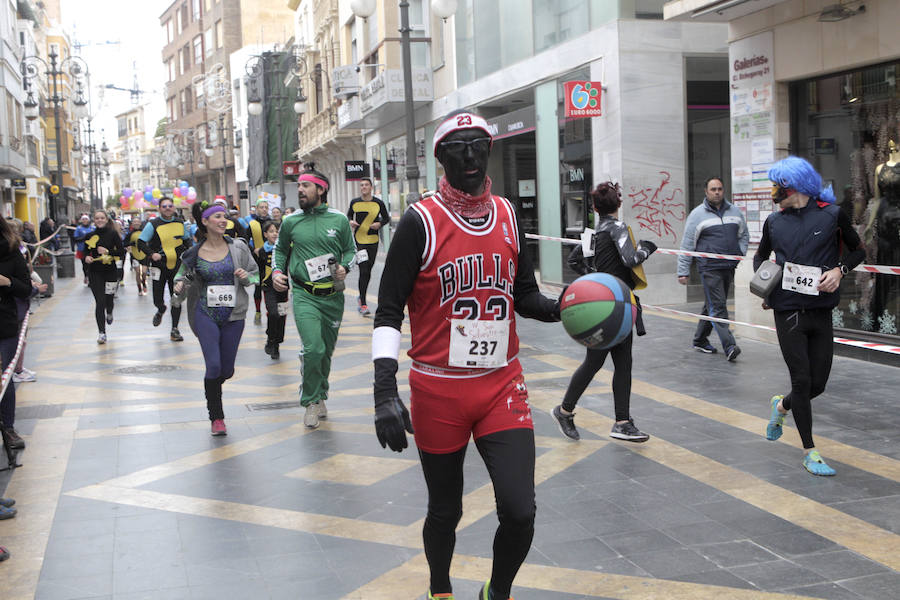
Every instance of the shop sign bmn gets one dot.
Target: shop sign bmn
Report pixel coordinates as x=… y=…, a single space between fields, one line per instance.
x=582 y=99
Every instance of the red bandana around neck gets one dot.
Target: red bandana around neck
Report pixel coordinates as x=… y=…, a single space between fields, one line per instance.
x=465 y=204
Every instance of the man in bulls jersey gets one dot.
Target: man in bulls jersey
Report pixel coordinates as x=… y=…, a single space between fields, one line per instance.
x=458 y=262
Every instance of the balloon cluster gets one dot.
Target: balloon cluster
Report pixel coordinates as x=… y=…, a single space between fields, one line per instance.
x=184 y=193
x=132 y=199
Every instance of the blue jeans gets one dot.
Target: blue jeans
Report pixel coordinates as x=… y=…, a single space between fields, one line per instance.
x=8 y=402
x=715 y=290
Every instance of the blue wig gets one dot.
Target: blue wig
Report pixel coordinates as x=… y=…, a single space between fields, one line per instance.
x=797 y=174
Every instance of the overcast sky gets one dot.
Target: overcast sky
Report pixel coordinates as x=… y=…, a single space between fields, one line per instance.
x=135 y=26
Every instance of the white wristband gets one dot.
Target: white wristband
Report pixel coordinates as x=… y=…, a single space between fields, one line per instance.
x=385 y=343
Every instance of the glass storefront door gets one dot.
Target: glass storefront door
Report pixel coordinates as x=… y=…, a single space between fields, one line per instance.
x=844 y=125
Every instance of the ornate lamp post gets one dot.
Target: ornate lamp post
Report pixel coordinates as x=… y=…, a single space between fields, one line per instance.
x=77 y=69
x=288 y=63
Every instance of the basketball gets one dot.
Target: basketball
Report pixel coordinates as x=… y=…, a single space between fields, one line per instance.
x=598 y=310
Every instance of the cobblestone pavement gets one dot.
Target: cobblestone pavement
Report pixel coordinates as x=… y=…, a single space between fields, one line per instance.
x=124 y=494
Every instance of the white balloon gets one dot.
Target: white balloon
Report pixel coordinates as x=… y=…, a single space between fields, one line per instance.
x=363 y=8
x=443 y=9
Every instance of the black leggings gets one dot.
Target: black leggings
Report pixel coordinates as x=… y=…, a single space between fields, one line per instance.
x=103 y=302
x=509 y=458
x=166 y=277
x=365 y=269
x=807 y=345
x=621 y=381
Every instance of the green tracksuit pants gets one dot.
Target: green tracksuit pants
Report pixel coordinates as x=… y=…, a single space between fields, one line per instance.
x=318 y=320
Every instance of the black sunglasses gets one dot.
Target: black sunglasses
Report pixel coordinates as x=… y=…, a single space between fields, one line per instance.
x=481 y=144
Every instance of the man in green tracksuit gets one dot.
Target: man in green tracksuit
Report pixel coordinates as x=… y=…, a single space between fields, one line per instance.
x=306 y=241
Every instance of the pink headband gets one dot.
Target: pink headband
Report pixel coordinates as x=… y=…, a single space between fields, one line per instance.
x=213 y=210
x=313 y=179
x=458 y=123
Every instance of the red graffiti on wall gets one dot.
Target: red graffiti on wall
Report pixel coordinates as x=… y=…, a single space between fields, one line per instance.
x=657 y=209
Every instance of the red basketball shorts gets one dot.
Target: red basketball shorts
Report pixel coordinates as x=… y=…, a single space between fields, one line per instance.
x=445 y=411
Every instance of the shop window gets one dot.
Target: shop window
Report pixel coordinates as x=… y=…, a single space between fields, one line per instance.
x=844 y=125
x=557 y=21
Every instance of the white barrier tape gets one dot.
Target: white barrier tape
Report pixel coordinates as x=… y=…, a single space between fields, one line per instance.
x=883 y=269
x=837 y=340
x=7 y=373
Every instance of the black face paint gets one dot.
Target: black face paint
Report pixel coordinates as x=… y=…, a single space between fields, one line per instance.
x=465 y=165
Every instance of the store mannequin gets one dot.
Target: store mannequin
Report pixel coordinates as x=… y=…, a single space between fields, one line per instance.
x=884 y=221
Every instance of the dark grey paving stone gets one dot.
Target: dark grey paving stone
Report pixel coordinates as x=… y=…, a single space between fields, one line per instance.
x=843 y=564
x=559 y=531
x=705 y=532
x=64 y=547
x=576 y=554
x=719 y=577
x=610 y=524
x=882 y=512
x=670 y=563
x=732 y=554
x=777 y=575
x=634 y=542
x=149 y=576
x=794 y=543
x=75 y=587
x=233 y=571
x=881 y=585
x=168 y=594
x=829 y=591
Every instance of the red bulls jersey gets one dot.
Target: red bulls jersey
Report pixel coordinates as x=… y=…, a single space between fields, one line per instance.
x=467 y=274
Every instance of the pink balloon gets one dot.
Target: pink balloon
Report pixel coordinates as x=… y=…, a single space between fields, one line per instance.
x=192 y=195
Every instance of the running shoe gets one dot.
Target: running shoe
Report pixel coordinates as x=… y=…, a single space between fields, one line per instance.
x=814 y=463
x=311 y=418
x=175 y=335
x=7 y=513
x=364 y=310
x=732 y=353
x=323 y=410
x=566 y=423
x=628 y=432
x=12 y=438
x=441 y=596
x=7 y=502
x=218 y=428
x=257 y=319
x=109 y=318
x=275 y=353
x=776 y=420
x=101 y=339
x=4 y=553
x=157 y=319
x=25 y=376
x=486 y=593
x=704 y=347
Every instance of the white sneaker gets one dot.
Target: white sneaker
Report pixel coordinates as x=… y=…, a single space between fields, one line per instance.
x=323 y=410
x=311 y=418
x=101 y=339
x=24 y=376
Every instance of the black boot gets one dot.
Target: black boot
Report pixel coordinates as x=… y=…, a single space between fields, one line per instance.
x=275 y=354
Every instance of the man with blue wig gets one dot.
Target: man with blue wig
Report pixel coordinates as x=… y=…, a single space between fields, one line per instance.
x=807 y=236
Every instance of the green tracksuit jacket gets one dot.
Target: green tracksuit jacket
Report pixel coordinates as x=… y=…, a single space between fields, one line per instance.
x=305 y=235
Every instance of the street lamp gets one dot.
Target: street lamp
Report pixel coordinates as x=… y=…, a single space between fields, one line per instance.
x=260 y=67
x=223 y=143
x=92 y=160
x=442 y=9
x=77 y=69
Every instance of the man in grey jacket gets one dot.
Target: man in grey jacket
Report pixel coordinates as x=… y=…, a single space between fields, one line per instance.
x=718 y=227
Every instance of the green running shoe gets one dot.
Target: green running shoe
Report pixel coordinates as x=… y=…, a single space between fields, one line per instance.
x=813 y=463
x=441 y=596
x=776 y=420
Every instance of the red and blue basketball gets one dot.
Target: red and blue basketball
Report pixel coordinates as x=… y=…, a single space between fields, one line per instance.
x=598 y=310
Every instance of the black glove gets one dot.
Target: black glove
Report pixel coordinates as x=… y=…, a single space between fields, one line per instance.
x=391 y=419
x=391 y=416
x=649 y=246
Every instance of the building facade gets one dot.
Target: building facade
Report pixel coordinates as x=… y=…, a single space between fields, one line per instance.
x=819 y=81
x=511 y=61
x=200 y=37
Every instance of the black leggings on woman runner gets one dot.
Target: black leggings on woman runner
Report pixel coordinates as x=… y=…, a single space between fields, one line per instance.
x=621 y=381
x=103 y=302
x=806 y=340
x=509 y=458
